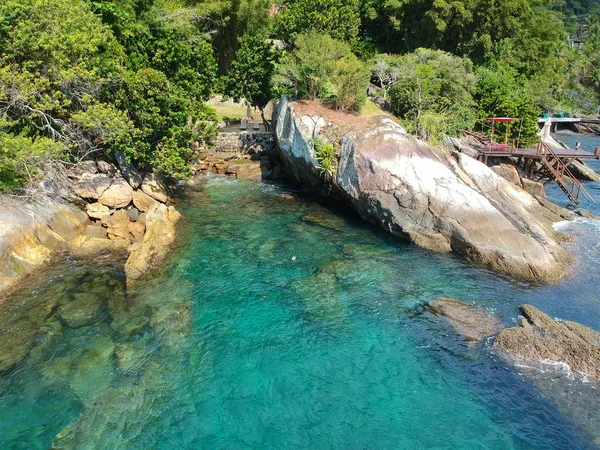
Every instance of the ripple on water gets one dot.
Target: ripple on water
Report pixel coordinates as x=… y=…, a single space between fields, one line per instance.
x=278 y=323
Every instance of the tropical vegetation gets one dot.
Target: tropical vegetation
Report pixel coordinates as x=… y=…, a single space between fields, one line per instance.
x=86 y=78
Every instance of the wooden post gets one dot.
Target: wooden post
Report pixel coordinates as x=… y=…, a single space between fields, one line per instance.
x=597 y=152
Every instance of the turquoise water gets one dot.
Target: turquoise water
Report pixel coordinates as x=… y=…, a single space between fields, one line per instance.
x=282 y=323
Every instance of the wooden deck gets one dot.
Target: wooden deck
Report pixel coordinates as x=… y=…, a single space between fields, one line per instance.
x=533 y=153
x=542 y=162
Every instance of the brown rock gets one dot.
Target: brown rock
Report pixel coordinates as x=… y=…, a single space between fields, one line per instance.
x=160 y=234
x=534 y=188
x=118 y=195
x=245 y=169
x=468 y=320
x=137 y=230
x=68 y=222
x=154 y=186
x=95 y=231
x=97 y=210
x=117 y=225
x=91 y=186
x=540 y=338
x=49 y=238
x=143 y=201
x=107 y=168
x=509 y=173
x=87 y=246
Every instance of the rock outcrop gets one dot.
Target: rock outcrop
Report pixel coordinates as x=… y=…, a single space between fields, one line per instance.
x=160 y=234
x=542 y=339
x=440 y=201
x=32 y=231
x=469 y=321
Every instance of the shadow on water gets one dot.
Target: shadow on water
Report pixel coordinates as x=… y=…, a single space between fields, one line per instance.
x=277 y=322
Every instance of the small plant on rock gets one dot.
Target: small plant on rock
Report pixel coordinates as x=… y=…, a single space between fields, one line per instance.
x=326 y=155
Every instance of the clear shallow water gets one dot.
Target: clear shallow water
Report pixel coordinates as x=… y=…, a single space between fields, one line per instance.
x=268 y=330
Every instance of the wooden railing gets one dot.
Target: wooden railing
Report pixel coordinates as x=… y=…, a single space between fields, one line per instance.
x=559 y=170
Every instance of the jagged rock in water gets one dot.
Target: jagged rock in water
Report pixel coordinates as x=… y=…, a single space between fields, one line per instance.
x=471 y=322
x=582 y=171
x=160 y=233
x=540 y=338
x=440 y=201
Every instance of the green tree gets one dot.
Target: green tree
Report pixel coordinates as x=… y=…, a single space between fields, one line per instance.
x=435 y=93
x=340 y=19
x=252 y=72
x=321 y=67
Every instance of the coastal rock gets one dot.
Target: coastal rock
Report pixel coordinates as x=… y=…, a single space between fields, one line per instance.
x=118 y=195
x=245 y=169
x=130 y=173
x=534 y=188
x=154 y=186
x=471 y=322
x=508 y=172
x=439 y=201
x=117 y=225
x=91 y=185
x=143 y=201
x=67 y=222
x=95 y=231
x=49 y=238
x=106 y=167
x=542 y=339
x=90 y=246
x=97 y=210
x=582 y=171
x=160 y=234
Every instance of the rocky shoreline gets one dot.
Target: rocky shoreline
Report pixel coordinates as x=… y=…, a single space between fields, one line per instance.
x=93 y=208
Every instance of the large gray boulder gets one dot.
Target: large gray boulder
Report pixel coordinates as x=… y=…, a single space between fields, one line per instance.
x=438 y=200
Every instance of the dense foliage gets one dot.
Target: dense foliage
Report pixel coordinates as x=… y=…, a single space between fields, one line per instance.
x=81 y=78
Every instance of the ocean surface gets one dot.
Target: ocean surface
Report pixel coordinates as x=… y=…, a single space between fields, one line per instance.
x=282 y=323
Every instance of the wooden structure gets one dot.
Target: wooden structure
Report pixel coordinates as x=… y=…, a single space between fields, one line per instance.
x=542 y=162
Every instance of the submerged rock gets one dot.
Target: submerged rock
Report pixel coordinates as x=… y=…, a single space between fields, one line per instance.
x=440 y=201
x=468 y=320
x=83 y=310
x=325 y=219
x=16 y=341
x=542 y=339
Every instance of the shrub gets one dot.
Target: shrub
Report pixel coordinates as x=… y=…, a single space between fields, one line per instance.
x=326 y=155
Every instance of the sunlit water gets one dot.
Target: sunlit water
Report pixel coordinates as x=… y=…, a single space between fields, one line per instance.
x=271 y=329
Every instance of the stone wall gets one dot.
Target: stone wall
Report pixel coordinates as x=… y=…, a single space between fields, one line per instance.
x=244 y=142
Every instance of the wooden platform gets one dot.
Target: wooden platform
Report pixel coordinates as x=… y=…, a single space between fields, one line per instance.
x=532 y=153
